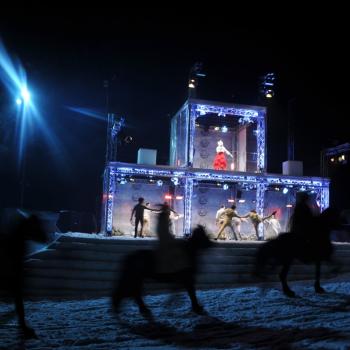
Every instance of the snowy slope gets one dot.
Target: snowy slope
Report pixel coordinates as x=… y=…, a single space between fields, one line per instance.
x=240 y=318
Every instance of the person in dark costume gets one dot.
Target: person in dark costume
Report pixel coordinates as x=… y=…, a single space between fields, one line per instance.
x=138 y=211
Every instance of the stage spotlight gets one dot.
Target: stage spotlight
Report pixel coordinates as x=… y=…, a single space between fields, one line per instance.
x=289 y=205
x=168 y=196
x=268 y=93
x=175 y=181
x=225 y=187
x=224 y=129
x=179 y=197
x=216 y=128
x=19 y=101
x=159 y=183
x=25 y=94
x=192 y=84
x=267 y=85
x=123 y=181
x=128 y=139
x=241 y=201
x=285 y=190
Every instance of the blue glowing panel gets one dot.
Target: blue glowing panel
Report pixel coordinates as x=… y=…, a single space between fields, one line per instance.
x=241 y=130
x=197 y=128
x=178 y=138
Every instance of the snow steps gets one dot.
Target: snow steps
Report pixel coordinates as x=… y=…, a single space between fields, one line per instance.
x=86 y=267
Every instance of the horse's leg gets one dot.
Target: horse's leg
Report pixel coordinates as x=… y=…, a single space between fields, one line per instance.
x=144 y=310
x=189 y=286
x=283 y=278
x=28 y=332
x=116 y=300
x=317 y=285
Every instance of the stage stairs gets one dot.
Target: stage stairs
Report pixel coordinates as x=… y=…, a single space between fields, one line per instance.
x=86 y=267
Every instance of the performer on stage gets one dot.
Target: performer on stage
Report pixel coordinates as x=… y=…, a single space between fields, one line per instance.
x=220 y=162
x=227 y=216
x=146 y=221
x=138 y=210
x=256 y=219
x=272 y=228
x=218 y=216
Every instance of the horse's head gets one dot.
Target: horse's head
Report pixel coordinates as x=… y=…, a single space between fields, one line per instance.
x=31 y=229
x=199 y=238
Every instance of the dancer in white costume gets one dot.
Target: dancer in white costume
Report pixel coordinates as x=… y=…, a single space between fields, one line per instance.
x=146 y=221
x=272 y=228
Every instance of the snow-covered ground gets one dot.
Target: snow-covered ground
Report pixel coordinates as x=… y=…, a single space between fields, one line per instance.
x=238 y=318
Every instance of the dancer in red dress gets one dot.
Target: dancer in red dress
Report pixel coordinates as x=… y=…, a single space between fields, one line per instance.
x=220 y=162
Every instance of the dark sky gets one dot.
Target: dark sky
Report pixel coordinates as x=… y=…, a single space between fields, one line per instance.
x=147 y=57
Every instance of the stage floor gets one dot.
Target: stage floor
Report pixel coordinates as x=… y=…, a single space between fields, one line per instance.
x=154 y=238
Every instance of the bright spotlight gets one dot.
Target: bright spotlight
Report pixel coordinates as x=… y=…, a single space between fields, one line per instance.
x=269 y=94
x=285 y=190
x=18 y=101
x=192 y=84
x=123 y=181
x=175 y=181
x=159 y=183
x=225 y=187
x=25 y=95
x=224 y=129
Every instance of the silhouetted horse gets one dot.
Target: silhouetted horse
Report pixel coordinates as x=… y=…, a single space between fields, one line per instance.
x=16 y=230
x=143 y=264
x=309 y=247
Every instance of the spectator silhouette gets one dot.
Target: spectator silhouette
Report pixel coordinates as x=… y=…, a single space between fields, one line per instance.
x=16 y=228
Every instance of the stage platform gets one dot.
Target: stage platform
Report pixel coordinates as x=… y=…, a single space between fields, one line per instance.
x=85 y=265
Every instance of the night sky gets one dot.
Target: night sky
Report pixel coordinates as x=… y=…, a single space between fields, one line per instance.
x=146 y=58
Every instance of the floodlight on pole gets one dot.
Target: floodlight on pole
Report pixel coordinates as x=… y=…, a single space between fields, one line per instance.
x=194 y=75
x=24 y=96
x=267 y=85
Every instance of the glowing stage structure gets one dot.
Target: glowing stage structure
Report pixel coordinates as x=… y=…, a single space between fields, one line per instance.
x=191 y=184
